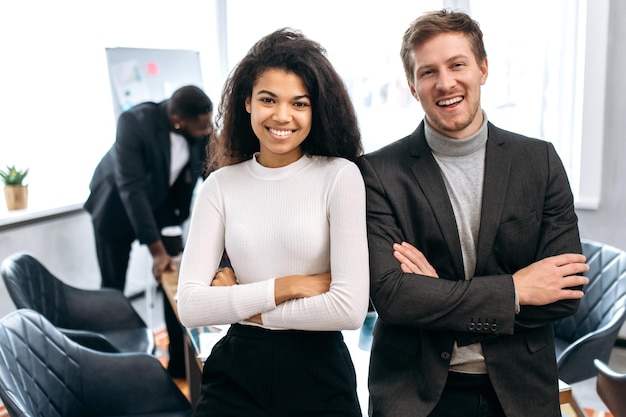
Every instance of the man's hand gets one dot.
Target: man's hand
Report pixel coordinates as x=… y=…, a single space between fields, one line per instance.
x=224 y=277
x=551 y=279
x=412 y=261
x=161 y=261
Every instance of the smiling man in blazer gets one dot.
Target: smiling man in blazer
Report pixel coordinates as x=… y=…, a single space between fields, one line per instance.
x=474 y=246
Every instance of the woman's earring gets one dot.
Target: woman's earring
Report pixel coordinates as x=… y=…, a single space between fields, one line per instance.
x=176 y=126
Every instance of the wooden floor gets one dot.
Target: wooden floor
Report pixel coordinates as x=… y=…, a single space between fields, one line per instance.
x=592 y=413
x=161 y=341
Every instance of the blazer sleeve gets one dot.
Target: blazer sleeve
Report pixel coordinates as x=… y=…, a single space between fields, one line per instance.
x=558 y=234
x=133 y=176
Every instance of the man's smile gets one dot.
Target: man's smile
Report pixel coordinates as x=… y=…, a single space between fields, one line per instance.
x=450 y=101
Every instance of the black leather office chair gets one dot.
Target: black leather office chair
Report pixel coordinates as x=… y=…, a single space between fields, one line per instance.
x=591 y=332
x=611 y=387
x=102 y=319
x=43 y=373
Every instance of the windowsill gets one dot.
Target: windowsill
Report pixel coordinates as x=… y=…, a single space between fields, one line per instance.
x=16 y=218
x=588 y=204
x=45 y=203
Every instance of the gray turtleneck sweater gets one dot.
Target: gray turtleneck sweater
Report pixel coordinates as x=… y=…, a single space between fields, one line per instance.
x=462 y=165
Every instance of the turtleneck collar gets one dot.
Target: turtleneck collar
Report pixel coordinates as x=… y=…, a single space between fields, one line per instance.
x=444 y=145
x=274 y=174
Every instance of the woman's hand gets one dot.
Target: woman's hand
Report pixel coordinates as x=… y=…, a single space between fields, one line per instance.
x=300 y=286
x=256 y=319
x=224 y=277
x=285 y=288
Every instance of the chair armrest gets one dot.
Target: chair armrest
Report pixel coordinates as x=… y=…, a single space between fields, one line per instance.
x=610 y=386
x=604 y=369
x=130 y=383
x=100 y=310
x=90 y=340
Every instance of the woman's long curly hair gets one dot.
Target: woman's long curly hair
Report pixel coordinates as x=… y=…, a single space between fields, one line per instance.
x=334 y=127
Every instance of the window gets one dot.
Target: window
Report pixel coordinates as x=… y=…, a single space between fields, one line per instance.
x=547 y=79
x=547 y=68
x=540 y=63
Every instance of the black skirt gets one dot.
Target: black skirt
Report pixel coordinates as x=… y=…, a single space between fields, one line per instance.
x=255 y=372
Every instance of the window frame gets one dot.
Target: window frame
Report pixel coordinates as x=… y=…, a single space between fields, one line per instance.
x=590 y=106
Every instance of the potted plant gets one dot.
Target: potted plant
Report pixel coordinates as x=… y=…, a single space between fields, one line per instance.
x=15 y=191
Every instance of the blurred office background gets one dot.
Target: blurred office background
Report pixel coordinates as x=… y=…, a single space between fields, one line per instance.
x=554 y=73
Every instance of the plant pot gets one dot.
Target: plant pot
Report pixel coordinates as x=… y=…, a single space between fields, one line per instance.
x=16 y=196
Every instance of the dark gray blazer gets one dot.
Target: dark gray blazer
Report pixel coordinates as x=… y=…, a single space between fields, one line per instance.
x=130 y=191
x=527 y=214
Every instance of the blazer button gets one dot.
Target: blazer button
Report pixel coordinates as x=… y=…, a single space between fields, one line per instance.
x=494 y=327
x=471 y=326
x=479 y=326
x=445 y=355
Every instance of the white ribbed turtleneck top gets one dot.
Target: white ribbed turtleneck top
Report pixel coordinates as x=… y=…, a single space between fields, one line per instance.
x=305 y=218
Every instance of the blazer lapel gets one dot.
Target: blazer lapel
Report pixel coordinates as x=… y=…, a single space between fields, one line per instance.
x=164 y=145
x=428 y=176
x=496 y=179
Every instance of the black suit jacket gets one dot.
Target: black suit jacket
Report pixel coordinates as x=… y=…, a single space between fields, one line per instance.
x=527 y=215
x=130 y=191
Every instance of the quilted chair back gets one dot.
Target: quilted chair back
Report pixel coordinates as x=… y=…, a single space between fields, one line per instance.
x=43 y=373
x=103 y=319
x=591 y=332
x=40 y=368
x=31 y=285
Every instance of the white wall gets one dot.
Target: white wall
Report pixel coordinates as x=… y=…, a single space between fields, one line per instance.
x=54 y=81
x=66 y=247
